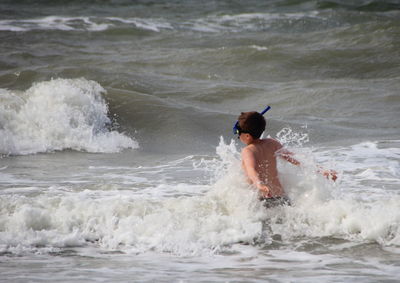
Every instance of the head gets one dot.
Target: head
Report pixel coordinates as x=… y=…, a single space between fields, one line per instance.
x=252 y=124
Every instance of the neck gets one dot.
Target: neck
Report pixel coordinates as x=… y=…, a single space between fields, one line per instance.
x=254 y=141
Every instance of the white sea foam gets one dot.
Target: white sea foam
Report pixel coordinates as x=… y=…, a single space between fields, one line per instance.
x=53 y=23
x=259 y=48
x=146 y=24
x=81 y=24
x=9 y=26
x=363 y=206
x=56 y=115
x=226 y=213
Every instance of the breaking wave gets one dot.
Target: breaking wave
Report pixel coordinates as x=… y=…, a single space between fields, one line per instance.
x=56 y=115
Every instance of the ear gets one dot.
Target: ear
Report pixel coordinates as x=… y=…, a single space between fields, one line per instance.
x=248 y=137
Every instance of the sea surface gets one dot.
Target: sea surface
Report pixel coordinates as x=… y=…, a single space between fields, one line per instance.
x=118 y=162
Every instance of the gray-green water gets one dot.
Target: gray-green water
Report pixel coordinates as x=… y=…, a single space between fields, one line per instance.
x=113 y=169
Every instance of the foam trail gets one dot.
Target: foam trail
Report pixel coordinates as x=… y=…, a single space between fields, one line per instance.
x=56 y=115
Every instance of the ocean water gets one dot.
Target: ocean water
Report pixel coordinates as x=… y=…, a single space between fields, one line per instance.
x=118 y=162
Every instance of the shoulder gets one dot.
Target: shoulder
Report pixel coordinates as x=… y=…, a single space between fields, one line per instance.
x=249 y=155
x=275 y=144
x=249 y=149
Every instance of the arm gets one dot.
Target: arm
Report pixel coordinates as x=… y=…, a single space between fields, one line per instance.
x=329 y=174
x=249 y=166
x=287 y=155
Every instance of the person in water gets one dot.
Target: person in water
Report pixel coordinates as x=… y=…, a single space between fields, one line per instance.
x=259 y=159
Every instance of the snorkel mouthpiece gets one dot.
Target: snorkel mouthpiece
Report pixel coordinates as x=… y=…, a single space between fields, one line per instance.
x=236 y=129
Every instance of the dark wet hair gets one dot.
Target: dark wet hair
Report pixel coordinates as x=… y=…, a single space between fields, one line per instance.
x=252 y=123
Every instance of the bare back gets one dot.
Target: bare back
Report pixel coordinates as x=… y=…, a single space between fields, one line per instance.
x=263 y=155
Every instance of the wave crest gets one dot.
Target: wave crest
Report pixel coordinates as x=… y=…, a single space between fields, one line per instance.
x=56 y=115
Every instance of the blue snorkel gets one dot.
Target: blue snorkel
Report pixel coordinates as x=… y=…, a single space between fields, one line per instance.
x=236 y=129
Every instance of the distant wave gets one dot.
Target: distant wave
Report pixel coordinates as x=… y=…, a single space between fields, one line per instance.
x=93 y=24
x=53 y=23
x=363 y=5
x=209 y=24
x=212 y=23
x=56 y=115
